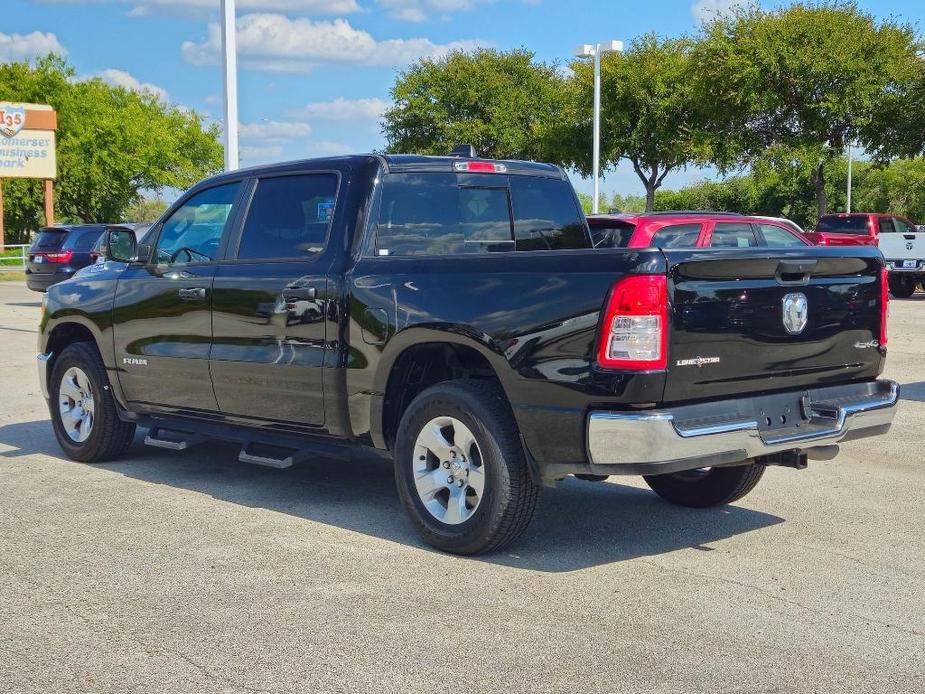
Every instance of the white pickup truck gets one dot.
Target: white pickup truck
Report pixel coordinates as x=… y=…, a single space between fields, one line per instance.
x=903 y=248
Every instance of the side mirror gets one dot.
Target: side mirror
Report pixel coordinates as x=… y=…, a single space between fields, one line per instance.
x=121 y=245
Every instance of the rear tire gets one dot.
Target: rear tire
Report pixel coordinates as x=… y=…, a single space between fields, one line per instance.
x=460 y=468
x=83 y=410
x=902 y=287
x=707 y=486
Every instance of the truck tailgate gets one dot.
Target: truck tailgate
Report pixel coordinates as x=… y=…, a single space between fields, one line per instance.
x=903 y=251
x=730 y=328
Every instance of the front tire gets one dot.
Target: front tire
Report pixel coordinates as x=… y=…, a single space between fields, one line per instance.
x=706 y=487
x=901 y=287
x=83 y=410
x=460 y=468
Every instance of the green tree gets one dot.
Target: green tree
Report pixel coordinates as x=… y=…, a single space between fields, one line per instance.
x=500 y=102
x=112 y=144
x=807 y=77
x=649 y=113
x=145 y=210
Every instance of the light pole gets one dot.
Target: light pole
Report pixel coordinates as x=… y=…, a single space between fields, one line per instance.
x=595 y=50
x=848 y=206
x=230 y=69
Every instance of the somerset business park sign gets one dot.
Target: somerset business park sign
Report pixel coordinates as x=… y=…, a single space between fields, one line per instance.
x=27 y=141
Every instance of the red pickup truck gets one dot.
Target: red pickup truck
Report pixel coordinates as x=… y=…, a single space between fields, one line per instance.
x=857 y=228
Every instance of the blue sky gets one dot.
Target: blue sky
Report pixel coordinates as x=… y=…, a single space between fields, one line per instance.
x=315 y=74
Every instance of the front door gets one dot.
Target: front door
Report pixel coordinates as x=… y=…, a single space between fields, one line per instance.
x=270 y=303
x=162 y=316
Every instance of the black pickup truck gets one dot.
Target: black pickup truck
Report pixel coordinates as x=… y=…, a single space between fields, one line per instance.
x=452 y=311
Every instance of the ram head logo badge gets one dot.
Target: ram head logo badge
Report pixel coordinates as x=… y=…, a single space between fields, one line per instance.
x=796 y=310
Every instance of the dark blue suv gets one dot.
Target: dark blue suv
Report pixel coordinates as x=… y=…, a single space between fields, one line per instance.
x=58 y=252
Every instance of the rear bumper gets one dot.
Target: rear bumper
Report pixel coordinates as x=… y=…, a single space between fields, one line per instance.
x=682 y=438
x=41 y=281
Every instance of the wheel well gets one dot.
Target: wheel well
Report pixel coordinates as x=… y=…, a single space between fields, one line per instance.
x=67 y=334
x=422 y=366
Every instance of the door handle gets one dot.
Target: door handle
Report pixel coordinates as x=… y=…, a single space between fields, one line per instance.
x=300 y=293
x=193 y=293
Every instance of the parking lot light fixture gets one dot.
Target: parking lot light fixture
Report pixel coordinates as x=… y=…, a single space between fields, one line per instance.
x=230 y=74
x=595 y=51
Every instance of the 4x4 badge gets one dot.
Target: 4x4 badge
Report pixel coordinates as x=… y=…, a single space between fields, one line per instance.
x=795 y=310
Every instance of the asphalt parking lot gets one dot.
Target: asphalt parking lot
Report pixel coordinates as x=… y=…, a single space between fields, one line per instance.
x=192 y=572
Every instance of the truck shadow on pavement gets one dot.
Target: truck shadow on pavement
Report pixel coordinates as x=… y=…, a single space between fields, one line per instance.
x=912 y=391
x=577 y=525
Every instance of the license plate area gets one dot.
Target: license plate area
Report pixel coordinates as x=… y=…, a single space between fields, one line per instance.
x=38 y=259
x=909 y=264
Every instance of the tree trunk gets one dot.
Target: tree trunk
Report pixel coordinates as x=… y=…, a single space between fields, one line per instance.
x=822 y=202
x=650 y=196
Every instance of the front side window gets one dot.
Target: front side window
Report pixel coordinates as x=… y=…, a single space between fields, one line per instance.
x=733 y=236
x=676 y=236
x=193 y=233
x=776 y=237
x=546 y=215
x=288 y=216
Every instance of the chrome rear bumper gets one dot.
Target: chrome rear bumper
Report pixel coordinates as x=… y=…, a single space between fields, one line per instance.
x=683 y=438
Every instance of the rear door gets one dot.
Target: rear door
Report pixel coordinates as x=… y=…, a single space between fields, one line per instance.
x=738 y=320
x=270 y=302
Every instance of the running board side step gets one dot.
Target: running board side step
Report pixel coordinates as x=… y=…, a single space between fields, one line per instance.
x=173 y=440
x=270 y=456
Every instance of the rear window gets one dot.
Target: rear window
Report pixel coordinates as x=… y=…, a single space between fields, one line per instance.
x=612 y=235
x=854 y=224
x=546 y=215
x=49 y=240
x=440 y=214
x=676 y=236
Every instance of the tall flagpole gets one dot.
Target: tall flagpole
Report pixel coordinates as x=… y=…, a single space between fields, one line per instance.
x=230 y=69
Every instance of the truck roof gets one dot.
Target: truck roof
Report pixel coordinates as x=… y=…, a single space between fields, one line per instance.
x=395 y=163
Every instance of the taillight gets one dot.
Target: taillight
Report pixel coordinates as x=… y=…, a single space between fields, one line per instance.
x=62 y=257
x=634 y=333
x=884 y=303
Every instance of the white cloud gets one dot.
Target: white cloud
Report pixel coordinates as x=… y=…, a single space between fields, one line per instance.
x=274 y=131
x=198 y=8
x=15 y=47
x=418 y=10
x=344 y=110
x=275 y=42
x=121 y=78
x=327 y=148
x=704 y=10
x=258 y=154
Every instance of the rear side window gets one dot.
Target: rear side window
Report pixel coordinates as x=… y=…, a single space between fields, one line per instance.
x=676 y=236
x=49 y=240
x=733 y=236
x=84 y=241
x=775 y=237
x=288 y=216
x=546 y=215
x=854 y=224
